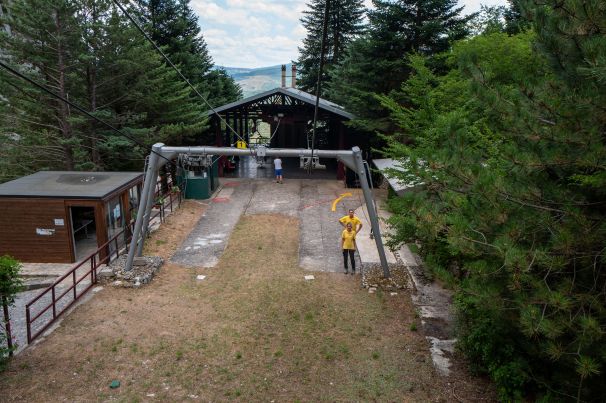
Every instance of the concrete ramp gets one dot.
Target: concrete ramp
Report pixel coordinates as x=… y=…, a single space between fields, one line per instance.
x=308 y=200
x=206 y=243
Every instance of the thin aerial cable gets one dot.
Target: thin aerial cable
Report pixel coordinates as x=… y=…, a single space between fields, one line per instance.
x=275 y=131
x=76 y=106
x=150 y=40
x=319 y=82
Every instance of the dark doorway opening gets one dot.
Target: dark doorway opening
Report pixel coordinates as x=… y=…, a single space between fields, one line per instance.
x=293 y=168
x=84 y=230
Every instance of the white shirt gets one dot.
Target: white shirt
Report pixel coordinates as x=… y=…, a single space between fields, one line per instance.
x=278 y=163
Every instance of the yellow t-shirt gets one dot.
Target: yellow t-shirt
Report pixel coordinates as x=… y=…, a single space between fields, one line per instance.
x=355 y=221
x=348 y=239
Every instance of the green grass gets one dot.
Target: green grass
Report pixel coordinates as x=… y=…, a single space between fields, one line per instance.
x=254 y=330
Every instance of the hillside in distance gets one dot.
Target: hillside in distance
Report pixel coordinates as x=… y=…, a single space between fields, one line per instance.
x=257 y=80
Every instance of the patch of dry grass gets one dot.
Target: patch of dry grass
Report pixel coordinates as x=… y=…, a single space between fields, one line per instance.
x=253 y=330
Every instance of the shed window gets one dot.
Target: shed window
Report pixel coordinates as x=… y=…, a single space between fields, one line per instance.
x=115 y=221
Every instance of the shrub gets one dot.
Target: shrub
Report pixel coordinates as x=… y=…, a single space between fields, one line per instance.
x=10 y=285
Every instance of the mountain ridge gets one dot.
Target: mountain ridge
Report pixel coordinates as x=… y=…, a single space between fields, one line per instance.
x=259 y=79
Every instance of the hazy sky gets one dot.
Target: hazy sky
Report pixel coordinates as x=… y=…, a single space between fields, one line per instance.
x=257 y=33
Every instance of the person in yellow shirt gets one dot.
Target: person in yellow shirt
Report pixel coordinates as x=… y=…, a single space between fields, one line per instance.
x=348 y=244
x=351 y=218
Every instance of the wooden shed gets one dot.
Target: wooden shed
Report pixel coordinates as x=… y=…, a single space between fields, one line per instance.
x=62 y=217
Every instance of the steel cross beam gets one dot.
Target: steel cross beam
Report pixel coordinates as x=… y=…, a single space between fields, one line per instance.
x=351 y=158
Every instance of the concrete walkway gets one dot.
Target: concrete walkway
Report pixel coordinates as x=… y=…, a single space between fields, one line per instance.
x=309 y=200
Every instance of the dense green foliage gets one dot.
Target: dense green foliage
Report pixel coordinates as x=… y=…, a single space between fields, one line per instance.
x=175 y=28
x=88 y=52
x=377 y=62
x=509 y=144
x=344 y=24
x=10 y=285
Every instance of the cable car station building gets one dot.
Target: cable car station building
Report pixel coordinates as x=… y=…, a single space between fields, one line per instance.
x=289 y=112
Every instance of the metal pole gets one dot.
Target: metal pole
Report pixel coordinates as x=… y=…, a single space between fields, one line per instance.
x=150 y=202
x=7 y=327
x=150 y=178
x=372 y=213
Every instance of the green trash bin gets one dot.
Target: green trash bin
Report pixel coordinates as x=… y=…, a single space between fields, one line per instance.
x=197 y=184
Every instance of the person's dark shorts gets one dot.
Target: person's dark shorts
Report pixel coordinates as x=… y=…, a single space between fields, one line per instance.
x=278 y=172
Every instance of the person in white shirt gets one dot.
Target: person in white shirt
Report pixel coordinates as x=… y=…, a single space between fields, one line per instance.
x=278 y=167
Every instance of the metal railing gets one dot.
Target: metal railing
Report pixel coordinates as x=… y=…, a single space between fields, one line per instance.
x=69 y=288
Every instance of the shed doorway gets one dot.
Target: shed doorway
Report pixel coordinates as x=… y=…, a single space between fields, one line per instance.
x=84 y=231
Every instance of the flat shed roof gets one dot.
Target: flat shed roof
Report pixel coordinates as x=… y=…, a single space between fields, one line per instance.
x=384 y=165
x=69 y=184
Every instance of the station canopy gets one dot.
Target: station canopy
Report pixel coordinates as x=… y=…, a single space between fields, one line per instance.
x=285 y=96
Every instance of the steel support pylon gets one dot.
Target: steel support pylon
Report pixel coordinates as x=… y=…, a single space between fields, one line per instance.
x=161 y=153
x=138 y=239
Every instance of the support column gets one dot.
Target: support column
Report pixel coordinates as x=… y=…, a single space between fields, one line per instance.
x=217 y=124
x=241 y=132
x=150 y=183
x=232 y=137
x=148 y=209
x=372 y=213
x=219 y=142
x=341 y=146
x=226 y=139
x=246 y=130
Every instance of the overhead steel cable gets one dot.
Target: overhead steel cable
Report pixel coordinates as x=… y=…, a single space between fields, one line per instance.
x=76 y=106
x=150 y=40
x=319 y=82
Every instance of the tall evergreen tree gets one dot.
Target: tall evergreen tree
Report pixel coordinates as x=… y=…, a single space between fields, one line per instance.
x=222 y=86
x=138 y=92
x=175 y=27
x=509 y=146
x=515 y=21
x=44 y=42
x=109 y=69
x=377 y=63
x=345 y=22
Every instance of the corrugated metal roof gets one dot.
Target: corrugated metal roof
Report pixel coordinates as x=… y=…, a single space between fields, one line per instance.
x=291 y=92
x=68 y=184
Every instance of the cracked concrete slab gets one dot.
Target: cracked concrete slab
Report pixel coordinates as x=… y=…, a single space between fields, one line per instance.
x=308 y=200
x=206 y=243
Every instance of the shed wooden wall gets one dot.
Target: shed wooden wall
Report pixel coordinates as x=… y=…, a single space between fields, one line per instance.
x=19 y=219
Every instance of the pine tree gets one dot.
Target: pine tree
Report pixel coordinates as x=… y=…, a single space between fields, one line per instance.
x=174 y=26
x=44 y=41
x=142 y=95
x=377 y=62
x=113 y=72
x=345 y=23
x=508 y=144
x=224 y=88
x=515 y=21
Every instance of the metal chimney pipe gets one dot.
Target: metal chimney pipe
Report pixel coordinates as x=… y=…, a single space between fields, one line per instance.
x=294 y=75
x=283 y=76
